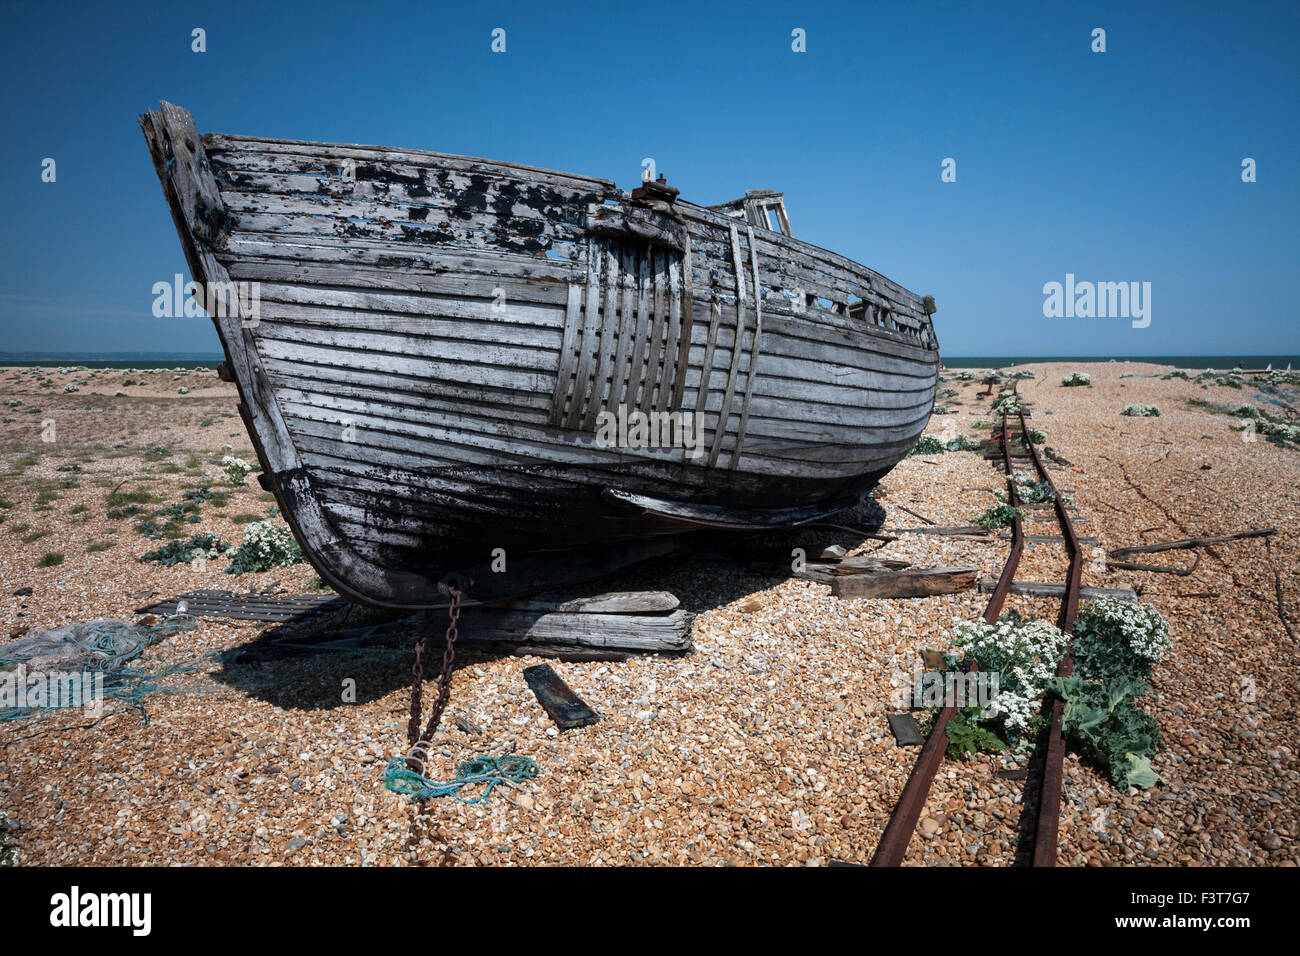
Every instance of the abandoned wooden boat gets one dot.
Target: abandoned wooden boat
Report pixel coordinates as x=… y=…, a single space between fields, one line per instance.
x=438 y=358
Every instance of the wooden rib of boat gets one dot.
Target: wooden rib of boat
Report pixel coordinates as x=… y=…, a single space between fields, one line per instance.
x=427 y=348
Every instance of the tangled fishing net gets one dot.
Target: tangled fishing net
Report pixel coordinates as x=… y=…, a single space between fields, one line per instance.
x=39 y=671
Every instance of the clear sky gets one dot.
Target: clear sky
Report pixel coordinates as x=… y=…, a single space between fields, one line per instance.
x=1115 y=166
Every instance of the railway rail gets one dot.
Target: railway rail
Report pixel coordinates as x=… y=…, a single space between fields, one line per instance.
x=902 y=823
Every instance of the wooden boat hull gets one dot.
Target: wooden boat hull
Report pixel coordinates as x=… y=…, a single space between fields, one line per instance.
x=430 y=350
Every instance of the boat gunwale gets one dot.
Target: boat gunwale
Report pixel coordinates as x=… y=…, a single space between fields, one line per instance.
x=897 y=293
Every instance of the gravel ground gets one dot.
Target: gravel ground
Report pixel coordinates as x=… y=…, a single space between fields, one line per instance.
x=768 y=745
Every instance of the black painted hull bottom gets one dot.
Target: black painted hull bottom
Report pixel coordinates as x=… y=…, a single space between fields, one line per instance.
x=578 y=539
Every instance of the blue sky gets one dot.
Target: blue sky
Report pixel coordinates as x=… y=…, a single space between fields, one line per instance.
x=1115 y=166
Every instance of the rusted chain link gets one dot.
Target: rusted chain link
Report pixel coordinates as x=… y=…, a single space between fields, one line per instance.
x=413 y=734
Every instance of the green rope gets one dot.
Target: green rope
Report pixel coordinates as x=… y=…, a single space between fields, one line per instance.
x=492 y=771
x=105 y=650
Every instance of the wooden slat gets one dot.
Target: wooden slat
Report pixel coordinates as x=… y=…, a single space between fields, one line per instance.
x=565 y=387
x=590 y=337
x=686 y=330
x=753 y=357
x=724 y=414
x=608 y=331
x=672 y=344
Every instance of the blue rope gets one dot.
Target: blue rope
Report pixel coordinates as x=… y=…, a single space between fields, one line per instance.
x=127 y=684
x=492 y=771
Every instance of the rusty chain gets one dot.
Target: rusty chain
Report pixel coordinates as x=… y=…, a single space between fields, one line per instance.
x=413 y=734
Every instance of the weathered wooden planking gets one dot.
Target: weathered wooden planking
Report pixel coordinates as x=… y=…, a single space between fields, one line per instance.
x=906 y=583
x=1040 y=589
x=633 y=632
x=566 y=708
x=613 y=602
x=827 y=572
x=738 y=337
x=209 y=602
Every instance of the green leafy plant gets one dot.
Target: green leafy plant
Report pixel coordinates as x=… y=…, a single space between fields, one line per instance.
x=999 y=516
x=265 y=546
x=1075 y=379
x=1030 y=491
x=204 y=545
x=1023 y=653
x=1102 y=718
x=117 y=499
x=1278 y=430
x=1140 y=410
x=1114 y=639
x=928 y=445
x=966 y=735
x=1007 y=404
x=51 y=559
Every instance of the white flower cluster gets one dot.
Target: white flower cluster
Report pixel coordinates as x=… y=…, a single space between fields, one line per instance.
x=1077 y=378
x=265 y=546
x=1143 y=628
x=1024 y=654
x=1139 y=410
x=236 y=468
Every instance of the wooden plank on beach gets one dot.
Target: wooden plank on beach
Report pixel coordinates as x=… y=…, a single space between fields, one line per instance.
x=613 y=602
x=907 y=583
x=624 y=632
x=1048 y=539
x=1042 y=589
x=826 y=572
x=566 y=708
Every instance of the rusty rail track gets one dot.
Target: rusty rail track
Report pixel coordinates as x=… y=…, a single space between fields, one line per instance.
x=902 y=823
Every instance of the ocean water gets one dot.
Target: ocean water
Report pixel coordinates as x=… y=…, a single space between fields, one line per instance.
x=115 y=359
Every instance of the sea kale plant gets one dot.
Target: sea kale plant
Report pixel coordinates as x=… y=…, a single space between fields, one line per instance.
x=1115 y=645
x=265 y=546
x=927 y=445
x=1076 y=378
x=1001 y=515
x=1139 y=410
x=1102 y=718
x=200 y=546
x=1275 y=428
x=236 y=469
x=1007 y=402
x=1024 y=654
x=1114 y=638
